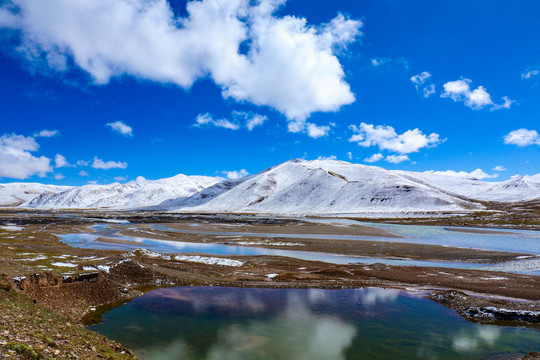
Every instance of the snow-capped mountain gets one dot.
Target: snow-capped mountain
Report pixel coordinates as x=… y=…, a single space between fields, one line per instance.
x=124 y=196
x=326 y=186
x=15 y=194
x=293 y=187
x=519 y=188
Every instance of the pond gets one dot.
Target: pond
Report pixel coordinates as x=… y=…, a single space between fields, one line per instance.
x=196 y=323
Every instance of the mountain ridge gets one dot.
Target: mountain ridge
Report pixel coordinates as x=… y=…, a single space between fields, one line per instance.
x=294 y=187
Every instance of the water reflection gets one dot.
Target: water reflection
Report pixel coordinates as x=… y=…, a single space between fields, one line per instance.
x=209 y=323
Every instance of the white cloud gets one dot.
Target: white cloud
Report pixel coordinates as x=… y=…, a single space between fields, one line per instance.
x=507 y=103
x=529 y=74
x=16 y=159
x=251 y=120
x=386 y=60
x=235 y=174
x=420 y=83
x=421 y=78
x=317 y=131
x=287 y=64
x=428 y=90
x=331 y=157
x=208 y=120
x=92 y=182
x=499 y=168
x=255 y=120
x=522 y=137
x=349 y=155
x=106 y=165
x=460 y=90
x=476 y=174
x=120 y=178
x=396 y=159
x=60 y=161
x=83 y=163
x=386 y=138
x=374 y=158
x=122 y=128
x=59 y=176
x=47 y=133
x=83 y=173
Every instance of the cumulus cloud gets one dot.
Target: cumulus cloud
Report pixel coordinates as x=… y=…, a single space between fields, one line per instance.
x=83 y=173
x=476 y=99
x=47 y=133
x=349 y=155
x=59 y=176
x=16 y=159
x=235 y=174
x=208 y=120
x=120 y=127
x=421 y=84
x=530 y=74
x=106 y=165
x=120 y=178
x=522 y=137
x=317 y=131
x=476 y=174
x=396 y=159
x=386 y=138
x=60 y=161
x=250 y=52
x=499 y=168
x=374 y=158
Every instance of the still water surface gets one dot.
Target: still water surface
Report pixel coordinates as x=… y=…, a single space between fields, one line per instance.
x=207 y=323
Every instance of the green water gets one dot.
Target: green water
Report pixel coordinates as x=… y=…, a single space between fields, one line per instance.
x=305 y=324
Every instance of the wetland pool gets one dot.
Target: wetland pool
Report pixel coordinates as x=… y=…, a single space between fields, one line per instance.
x=207 y=323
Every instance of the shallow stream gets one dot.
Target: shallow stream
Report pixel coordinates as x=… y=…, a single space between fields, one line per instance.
x=514 y=241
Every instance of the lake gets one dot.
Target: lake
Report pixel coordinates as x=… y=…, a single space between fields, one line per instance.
x=196 y=323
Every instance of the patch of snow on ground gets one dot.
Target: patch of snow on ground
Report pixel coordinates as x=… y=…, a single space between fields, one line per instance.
x=269 y=243
x=11 y=228
x=63 y=264
x=209 y=260
x=271 y=276
x=105 y=268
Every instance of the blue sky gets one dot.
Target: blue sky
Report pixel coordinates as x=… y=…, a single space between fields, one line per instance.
x=153 y=88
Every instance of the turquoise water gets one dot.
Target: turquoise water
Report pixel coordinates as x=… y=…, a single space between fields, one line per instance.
x=210 y=323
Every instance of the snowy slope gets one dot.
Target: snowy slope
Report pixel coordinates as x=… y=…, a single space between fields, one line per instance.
x=124 y=196
x=324 y=186
x=521 y=188
x=294 y=187
x=15 y=194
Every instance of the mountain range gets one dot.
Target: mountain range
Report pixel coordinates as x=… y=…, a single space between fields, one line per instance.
x=293 y=187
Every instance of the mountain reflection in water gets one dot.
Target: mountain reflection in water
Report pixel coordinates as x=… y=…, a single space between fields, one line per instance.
x=234 y=323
